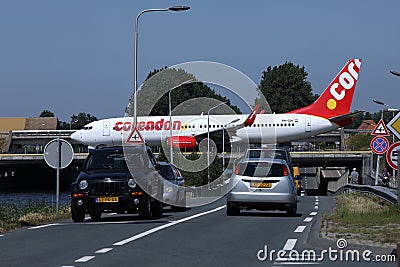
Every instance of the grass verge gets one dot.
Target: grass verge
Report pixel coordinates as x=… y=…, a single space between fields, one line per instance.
x=13 y=216
x=363 y=219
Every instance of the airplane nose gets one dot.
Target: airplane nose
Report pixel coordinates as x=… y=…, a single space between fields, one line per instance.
x=76 y=136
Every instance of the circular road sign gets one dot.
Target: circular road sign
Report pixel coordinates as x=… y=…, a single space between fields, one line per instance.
x=391 y=156
x=379 y=145
x=58 y=153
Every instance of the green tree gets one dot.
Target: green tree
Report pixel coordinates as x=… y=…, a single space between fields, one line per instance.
x=359 y=141
x=155 y=90
x=286 y=87
x=46 y=113
x=80 y=120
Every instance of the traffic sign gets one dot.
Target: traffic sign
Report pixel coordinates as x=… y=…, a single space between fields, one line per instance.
x=58 y=153
x=394 y=125
x=380 y=129
x=391 y=156
x=135 y=137
x=379 y=145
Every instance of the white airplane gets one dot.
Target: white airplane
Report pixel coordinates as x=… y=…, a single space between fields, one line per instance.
x=330 y=111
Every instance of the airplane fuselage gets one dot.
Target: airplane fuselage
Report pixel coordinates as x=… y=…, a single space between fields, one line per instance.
x=267 y=128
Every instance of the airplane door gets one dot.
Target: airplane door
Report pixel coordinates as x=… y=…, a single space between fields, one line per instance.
x=106 y=128
x=308 y=124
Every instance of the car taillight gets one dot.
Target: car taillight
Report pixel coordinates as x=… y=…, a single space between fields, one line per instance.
x=285 y=170
x=237 y=169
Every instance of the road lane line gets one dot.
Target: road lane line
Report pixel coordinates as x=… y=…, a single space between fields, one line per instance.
x=85 y=259
x=159 y=228
x=300 y=229
x=316 y=207
x=290 y=243
x=313 y=213
x=308 y=219
x=43 y=226
x=103 y=250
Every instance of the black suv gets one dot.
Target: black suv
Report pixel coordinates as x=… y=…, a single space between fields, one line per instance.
x=106 y=184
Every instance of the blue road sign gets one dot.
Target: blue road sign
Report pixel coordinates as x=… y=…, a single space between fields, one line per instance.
x=379 y=145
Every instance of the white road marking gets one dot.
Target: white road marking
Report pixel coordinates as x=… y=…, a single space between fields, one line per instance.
x=103 y=250
x=85 y=259
x=148 y=232
x=300 y=229
x=43 y=226
x=308 y=219
x=313 y=213
x=290 y=243
x=316 y=207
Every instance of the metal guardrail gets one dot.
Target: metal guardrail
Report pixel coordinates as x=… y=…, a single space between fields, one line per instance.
x=375 y=190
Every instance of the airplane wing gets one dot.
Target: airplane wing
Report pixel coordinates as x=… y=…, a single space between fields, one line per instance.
x=217 y=134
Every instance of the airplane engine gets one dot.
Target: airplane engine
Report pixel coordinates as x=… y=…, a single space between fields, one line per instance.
x=188 y=142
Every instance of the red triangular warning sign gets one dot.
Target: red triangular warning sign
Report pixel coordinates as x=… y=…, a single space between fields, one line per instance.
x=135 y=137
x=380 y=129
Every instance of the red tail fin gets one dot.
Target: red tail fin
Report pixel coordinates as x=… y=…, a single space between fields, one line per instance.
x=251 y=118
x=337 y=97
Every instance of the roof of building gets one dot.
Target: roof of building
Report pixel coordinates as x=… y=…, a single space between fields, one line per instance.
x=15 y=124
x=367 y=125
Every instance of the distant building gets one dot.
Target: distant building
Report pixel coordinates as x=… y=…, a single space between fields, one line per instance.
x=15 y=124
x=366 y=126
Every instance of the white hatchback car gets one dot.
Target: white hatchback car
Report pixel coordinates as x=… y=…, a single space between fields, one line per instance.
x=263 y=184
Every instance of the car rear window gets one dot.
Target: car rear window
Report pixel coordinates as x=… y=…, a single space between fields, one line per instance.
x=261 y=169
x=267 y=154
x=166 y=172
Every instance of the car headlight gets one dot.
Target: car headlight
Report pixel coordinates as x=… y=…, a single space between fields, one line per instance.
x=83 y=184
x=131 y=183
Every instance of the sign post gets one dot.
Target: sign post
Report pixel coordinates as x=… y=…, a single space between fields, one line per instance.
x=379 y=144
x=398 y=186
x=58 y=154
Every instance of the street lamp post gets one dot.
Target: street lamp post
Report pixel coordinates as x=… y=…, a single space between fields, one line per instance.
x=395 y=72
x=223 y=143
x=208 y=139
x=174 y=8
x=170 y=118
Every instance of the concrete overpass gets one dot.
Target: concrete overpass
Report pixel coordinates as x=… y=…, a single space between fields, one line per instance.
x=28 y=141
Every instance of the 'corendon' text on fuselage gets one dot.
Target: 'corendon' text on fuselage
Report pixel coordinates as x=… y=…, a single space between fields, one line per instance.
x=148 y=125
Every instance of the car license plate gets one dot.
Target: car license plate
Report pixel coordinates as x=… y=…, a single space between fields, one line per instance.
x=261 y=184
x=106 y=199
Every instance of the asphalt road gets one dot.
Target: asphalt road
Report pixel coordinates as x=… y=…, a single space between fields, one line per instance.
x=202 y=236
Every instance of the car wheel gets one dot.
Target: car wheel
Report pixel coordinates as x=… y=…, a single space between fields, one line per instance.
x=156 y=208
x=145 y=209
x=96 y=216
x=232 y=210
x=181 y=205
x=292 y=211
x=77 y=213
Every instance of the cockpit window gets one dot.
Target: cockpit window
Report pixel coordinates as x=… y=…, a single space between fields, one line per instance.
x=88 y=127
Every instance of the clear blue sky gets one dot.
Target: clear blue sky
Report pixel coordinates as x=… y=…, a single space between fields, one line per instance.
x=77 y=56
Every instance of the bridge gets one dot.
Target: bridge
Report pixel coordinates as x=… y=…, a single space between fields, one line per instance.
x=28 y=141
